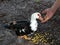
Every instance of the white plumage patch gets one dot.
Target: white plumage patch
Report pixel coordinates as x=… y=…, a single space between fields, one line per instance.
x=33 y=21
x=23 y=30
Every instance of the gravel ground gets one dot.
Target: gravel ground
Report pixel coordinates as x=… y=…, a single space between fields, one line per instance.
x=21 y=10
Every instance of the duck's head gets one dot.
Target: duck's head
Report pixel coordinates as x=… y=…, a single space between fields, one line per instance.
x=36 y=15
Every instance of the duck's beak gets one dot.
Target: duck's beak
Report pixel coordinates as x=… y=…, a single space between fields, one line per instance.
x=40 y=17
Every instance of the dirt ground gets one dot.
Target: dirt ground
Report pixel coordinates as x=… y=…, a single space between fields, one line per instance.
x=21 y=10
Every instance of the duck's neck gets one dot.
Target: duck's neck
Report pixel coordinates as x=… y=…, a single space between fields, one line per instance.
x=33 y=23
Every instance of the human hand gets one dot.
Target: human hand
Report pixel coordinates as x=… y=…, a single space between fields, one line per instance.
x=49 y=14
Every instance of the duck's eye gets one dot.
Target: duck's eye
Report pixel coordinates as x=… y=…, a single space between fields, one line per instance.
x=38 y=14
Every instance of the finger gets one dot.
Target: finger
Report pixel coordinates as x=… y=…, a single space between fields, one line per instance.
x=40 y=18
x=46 y=18
x=44 y=11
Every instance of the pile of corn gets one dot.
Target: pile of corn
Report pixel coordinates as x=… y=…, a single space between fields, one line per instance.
x=39 y=38
x=44 y=38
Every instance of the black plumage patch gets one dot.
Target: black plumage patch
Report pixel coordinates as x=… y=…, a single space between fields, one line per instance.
x=21 y=27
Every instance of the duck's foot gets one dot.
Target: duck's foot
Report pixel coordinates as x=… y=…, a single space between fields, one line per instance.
x=25 y=37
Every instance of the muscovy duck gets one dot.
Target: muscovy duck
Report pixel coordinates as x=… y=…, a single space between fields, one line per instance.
x=25 y=27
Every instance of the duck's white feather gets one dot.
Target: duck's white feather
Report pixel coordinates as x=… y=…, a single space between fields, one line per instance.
x=33 y=21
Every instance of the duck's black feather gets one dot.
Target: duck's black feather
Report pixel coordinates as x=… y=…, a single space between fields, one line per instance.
x=19 y=27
